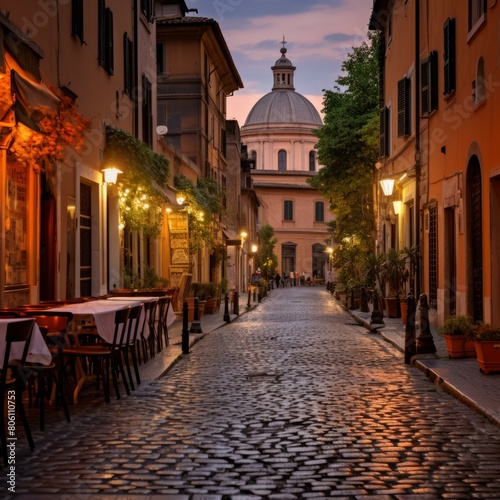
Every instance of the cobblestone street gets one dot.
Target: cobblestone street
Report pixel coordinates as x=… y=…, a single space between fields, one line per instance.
x=292 y=400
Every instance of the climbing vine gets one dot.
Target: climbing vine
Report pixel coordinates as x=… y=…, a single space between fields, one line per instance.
x=144 y=174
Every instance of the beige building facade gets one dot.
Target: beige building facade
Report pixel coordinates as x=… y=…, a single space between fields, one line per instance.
x=278 y=134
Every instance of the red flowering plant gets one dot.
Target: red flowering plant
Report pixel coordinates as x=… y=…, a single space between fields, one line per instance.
x=483 y=331
x=63 y=129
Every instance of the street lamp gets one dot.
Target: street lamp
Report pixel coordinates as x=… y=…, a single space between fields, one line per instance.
x=387 y=186
x=111 y=174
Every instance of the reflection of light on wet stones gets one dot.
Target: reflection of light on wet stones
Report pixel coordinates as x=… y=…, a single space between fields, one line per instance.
x=264 y=376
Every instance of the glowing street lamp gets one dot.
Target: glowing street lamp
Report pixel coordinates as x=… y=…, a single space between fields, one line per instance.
x=111 y=175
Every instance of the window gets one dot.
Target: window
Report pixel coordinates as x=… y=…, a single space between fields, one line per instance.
x=288 y=210
x=449 y=56
x=384 y=132
x=281 y=159
x=161 y=67
x=147 y=9
x=477 y=11
x=319 y=211
x=147 y=112
x=312 y=161
x=253 y=158
x=428 y=82
x=105 y=37
x=128 y=65
x=479 y=86
x=404 y=115
x=77 y=19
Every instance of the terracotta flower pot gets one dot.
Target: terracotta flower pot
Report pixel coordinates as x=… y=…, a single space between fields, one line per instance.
x=488 y=355
x=460 y=346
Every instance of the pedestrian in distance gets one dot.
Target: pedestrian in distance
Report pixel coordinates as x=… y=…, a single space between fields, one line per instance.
x=277 y=278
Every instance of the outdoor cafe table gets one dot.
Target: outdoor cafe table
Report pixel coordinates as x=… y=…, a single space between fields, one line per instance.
x=38 y=351
x=170 y=313
x=103 y=312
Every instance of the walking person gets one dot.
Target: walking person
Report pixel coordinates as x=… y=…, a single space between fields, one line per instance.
x=292 y=278
x=277 y=279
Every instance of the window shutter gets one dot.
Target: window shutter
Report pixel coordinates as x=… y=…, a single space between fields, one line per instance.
x=403 y=107
x=147 y=118
x=384 y=132
x=110 y=60
x=428 y=82
x=128 y=65
x=101 y=24
x=449 y=56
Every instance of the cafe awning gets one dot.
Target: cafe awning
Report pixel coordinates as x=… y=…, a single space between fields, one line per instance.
x=31 y=99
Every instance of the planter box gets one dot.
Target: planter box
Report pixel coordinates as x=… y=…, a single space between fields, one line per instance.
x=460 y=346
x=488 y=355
x=211 y=305
x=392 y=307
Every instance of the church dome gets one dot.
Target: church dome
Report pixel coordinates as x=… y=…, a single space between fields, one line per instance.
x=283 y=104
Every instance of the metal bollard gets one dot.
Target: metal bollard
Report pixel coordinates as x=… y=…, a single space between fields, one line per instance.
x=196 y=324
x=249 y=293
x=185 y=330
x=424 y=342
x=236 y=303
x=410 y=346
x=377 y=315
x=364 y=300
x=226 y=318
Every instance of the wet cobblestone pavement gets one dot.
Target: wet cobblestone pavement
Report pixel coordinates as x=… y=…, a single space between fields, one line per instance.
x=292 y=400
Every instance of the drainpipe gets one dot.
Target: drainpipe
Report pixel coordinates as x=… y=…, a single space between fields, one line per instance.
x=418 y=159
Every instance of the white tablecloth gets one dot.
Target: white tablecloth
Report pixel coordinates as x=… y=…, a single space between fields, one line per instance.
x=103 y=312
x=38 y=351
x=170 y=313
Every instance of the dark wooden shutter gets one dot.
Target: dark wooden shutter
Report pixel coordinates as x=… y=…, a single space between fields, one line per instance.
x=449 y=55
x=128 y=65
x=403 y=107
x=101 y=33
x=109 y=55
x=428 y=84
x=384 y=132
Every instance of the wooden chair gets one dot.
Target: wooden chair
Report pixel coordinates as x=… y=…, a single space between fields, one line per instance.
x=19 y=331
x=145 y=344
x=104 y=357
x=54 y=327
x=162 y=330
x=129 y=344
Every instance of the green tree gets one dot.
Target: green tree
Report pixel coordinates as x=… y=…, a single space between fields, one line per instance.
x=266 y=259
x=348 y=145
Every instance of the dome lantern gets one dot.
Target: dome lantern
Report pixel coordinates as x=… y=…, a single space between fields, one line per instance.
x=283 y=71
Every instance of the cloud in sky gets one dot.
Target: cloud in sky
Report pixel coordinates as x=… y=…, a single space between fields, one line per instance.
x=319 y=36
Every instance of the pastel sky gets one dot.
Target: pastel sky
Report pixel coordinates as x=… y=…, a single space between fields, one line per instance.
x=319 y=35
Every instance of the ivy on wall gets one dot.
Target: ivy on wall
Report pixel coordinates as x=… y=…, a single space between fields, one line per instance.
x=204 y=204
x=144 y=175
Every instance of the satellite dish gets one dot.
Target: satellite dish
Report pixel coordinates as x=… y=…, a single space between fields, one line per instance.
x=161 y=130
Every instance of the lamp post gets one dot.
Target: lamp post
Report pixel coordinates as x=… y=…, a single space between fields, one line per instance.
x=253 y=251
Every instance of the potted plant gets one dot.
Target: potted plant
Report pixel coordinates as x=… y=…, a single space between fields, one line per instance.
x=211 y=297
x=394 y=273
x=458 y=334
x=487 y=345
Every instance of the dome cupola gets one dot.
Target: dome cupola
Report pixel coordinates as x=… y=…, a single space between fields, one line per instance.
x=283 y=71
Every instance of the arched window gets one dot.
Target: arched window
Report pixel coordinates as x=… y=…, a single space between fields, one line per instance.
x=253 y=157
x=282 y=159
x=312 y=161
